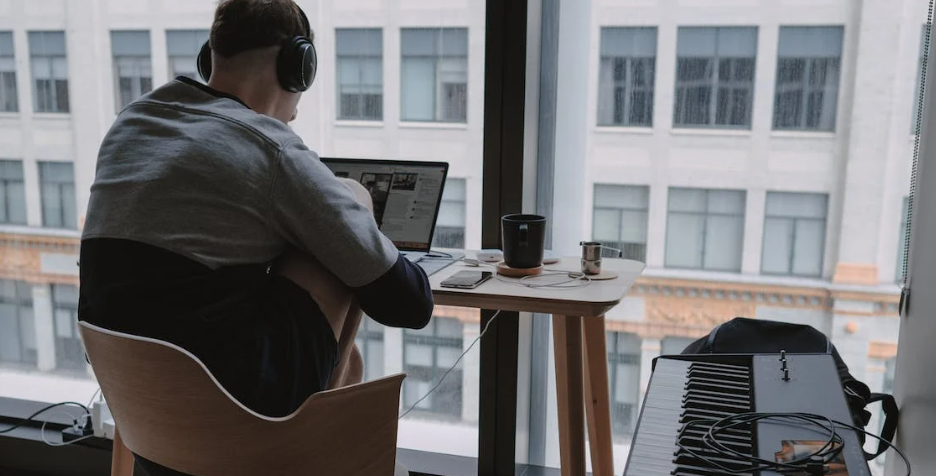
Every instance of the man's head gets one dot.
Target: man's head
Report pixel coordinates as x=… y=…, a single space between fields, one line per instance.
x=261 y=51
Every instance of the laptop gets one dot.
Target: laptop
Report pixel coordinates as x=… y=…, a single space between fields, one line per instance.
x=407 y=196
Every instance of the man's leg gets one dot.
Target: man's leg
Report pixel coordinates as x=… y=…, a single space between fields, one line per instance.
x=335 y=299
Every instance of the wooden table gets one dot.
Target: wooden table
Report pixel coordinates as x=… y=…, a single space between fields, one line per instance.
x=581 y=354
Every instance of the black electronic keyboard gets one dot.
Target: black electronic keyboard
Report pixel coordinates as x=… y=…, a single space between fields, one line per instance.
x=686 y=388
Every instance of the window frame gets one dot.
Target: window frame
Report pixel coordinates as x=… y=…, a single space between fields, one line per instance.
x=805 y=88
x=706 y=214
x=61 y=186
x=22 y=298
x=620 y=244
x=792 y=252
x=623 y=90
x=714 y=84
x=417 y=372
x=439 y=88
x=5 y=184
x=9 y=104
x=56 y=85
x=443 y=232
x=360 y=61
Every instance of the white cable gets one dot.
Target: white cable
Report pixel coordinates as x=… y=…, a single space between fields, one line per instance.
x=93 y=396
x=573 y=277
x=69 y=415
x=433 y=389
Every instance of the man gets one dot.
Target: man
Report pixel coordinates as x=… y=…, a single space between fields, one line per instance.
x=212 y=226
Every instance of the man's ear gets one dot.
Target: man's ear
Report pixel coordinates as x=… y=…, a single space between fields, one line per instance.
x=295 y=114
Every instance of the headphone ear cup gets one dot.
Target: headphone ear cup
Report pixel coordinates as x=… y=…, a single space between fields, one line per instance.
x=203 y=63
x=296 y=64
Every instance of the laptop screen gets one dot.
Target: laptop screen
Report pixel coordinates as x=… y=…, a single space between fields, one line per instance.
x=406 y=196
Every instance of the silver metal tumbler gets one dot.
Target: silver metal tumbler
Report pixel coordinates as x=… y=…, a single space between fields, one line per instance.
x=591 y=257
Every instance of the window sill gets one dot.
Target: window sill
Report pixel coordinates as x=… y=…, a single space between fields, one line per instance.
x=762 y=279
x=39 y=231
x=713 y=132
x=52 y=116
x=434 y=125
x=636 y=130
x=802 y=135
x=363 y=124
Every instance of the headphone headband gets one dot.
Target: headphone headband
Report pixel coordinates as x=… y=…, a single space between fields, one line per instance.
x=296 y=63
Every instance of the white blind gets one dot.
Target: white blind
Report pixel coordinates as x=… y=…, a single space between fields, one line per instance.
x=724 y=240
x=810 y=41
x=628 y=41
x=185 y=42
x=709 y=42
x=417 y=102
x=47 y=43
x=808 y=247
x=359 y=42
x=797 y=205
x=684 y=235
x=6 y=43
x=778 y=244
x=130 y=43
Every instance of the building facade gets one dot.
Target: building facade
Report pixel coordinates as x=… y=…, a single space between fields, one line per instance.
x=754 y=153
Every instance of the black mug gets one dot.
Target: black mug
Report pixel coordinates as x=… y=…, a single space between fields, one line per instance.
x=524 y=237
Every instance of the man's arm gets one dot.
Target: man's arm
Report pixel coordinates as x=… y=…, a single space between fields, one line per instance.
x=320 y=216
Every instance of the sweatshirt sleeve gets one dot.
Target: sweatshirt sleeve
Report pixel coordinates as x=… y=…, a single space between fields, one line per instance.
x=320 y=216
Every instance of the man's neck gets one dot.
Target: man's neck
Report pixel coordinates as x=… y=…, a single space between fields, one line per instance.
x=256 y=96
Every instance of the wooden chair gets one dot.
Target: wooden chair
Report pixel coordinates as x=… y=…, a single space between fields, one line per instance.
x=169 y=409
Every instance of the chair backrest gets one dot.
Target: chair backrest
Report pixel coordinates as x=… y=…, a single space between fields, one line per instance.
x=169 y=409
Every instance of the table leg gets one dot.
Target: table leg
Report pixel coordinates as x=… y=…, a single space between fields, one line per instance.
x=567 y=333
x=597 y=397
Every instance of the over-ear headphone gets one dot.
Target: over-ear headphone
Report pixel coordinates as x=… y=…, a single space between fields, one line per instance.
x=296 y=63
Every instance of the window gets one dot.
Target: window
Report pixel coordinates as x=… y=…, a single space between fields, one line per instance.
x=17 y=326
x=808 y=66
x=674 y=345
x=133 y=72
x=450 y=227
x=183 y=46
x=902 y=244
x=370 y=341
x=626 y=76
x=794 y=233
x=427 y=354
x=705 y=229
x=624 y=380
x=715 y=77
x=57 y=180
x=360 y=74
x=620 y=218
x=12 y=193
x=8 y=99
x=434 y=74
x=69 y=352
x=49 y=71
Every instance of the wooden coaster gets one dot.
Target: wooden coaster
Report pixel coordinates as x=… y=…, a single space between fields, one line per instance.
x=603 y=276
x=504 y=270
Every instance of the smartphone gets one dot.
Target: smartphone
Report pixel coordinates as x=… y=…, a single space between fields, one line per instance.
x=466 y=279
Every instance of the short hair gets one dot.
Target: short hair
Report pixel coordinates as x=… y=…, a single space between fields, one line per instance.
x=241 y=25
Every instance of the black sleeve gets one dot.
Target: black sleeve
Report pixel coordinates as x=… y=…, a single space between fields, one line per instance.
x=401 y=297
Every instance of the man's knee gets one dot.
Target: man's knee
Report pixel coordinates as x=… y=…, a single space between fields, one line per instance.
x=360 y=193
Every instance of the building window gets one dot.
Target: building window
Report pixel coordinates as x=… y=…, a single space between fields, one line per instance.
x=624 y=380
x=360 y=74
x=182 y=47
x=427 y=354
x=902 y=244
x=434 y=74
x=715 y=77
x=794 y=233
x=69 y=353
x=450 y=227
x=705 y=229
x=133 y=72
x=674 y=345
x=626 y=76
x=620 y=219
x=370 y=341
x=12 y=193
x=57 y=180
x=808 y=66
x=8 y=99
x=17 y=326
x=49 y=71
